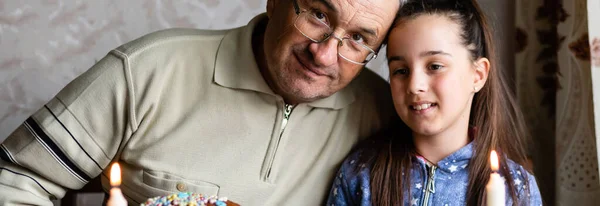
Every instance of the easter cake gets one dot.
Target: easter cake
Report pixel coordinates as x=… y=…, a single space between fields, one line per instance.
x=188 y=199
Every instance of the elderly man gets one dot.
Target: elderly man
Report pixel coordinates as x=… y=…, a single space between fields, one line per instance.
x=262 y=114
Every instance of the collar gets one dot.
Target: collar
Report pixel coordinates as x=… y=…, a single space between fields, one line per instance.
x=236 y=68
x=456 y=161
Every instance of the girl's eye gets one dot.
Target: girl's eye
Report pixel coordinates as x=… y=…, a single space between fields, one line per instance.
x=400 y=71
x=435 y=67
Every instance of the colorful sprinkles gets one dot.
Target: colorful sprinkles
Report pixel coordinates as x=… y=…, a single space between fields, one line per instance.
x=186 y=199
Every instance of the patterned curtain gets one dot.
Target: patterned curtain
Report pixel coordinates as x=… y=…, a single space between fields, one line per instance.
x=554 y=87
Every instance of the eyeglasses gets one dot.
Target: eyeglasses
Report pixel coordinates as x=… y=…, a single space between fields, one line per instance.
x=310 y=24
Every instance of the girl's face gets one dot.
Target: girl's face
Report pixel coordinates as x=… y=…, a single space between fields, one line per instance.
x=433 y=78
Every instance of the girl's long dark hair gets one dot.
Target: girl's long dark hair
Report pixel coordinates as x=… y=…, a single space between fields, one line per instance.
x=494 y=113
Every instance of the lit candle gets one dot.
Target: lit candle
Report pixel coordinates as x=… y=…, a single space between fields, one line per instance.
x=495 y=187
x=116 y=197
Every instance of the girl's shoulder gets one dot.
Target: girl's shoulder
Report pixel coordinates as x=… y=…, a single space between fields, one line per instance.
x=351 y=185
x=518 y=173
x=361 y=158
x=357 y=163
x=524 y=183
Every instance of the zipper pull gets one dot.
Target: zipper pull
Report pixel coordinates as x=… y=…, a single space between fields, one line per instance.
x=287 y=110
x=431 y=186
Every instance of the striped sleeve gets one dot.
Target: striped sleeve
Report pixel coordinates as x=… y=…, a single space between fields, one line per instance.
x=70 y=140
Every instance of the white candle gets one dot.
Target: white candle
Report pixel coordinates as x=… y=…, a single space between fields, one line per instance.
x=116 y=196
x=495 y=188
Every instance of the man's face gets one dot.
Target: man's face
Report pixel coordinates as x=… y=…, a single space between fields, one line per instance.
x=301 y=70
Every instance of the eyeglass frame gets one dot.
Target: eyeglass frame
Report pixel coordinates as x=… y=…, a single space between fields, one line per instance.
x=298 y=11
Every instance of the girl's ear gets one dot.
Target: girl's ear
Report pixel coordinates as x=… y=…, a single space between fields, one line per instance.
x=482 y=69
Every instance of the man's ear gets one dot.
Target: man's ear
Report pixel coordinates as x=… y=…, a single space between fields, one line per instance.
x=482 y=69
x=271 y=7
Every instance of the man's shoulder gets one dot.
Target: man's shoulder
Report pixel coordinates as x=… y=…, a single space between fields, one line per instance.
x=372 y=89
x=148 y=59
x=369 y=81
x=373 y=96
x=170 y=39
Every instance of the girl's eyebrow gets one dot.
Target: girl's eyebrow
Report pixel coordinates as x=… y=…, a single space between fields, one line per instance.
x=432 y=53
x=423 y=54
x=396 y=58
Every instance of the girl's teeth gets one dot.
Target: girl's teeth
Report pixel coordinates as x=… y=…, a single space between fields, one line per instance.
x=421 y=107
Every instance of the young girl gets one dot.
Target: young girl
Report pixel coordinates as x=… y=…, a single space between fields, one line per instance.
x=456 y=108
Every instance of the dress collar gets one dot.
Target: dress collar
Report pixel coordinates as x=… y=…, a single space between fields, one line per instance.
x=455 y=162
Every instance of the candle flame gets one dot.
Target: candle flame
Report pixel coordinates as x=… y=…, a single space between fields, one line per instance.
x=494 y=160
x=115 y=175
